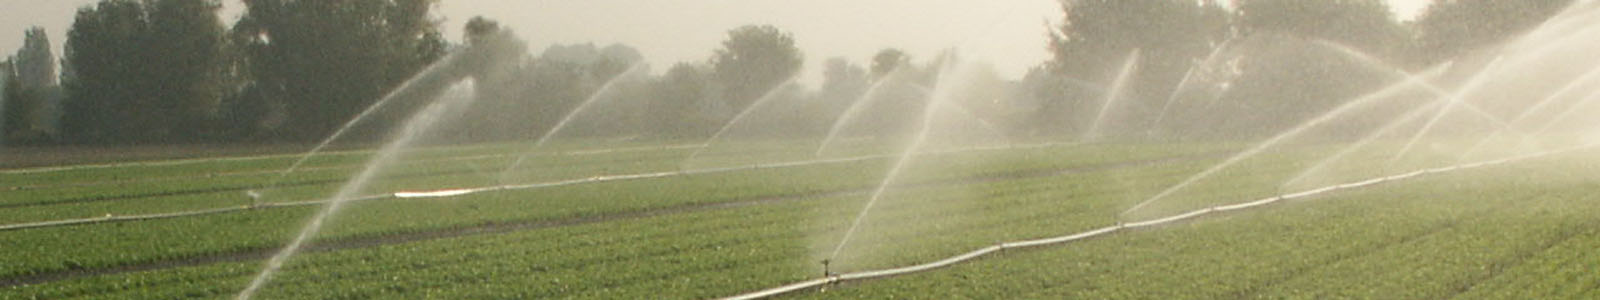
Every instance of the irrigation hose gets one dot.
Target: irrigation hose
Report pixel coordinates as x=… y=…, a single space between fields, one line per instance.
x=870 y=274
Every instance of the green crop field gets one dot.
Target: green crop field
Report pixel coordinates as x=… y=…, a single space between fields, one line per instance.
x=739 y=221
x=423 y=149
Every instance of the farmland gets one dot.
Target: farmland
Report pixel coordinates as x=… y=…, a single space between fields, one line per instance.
x=1493 y=232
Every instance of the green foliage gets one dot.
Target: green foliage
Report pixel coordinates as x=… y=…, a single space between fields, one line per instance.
x=1263 y=62
x=144 y=71
x=11 y=116
x=715 y=235
x=190 y=75
x=1476 y=235
x=104 y=86
x=1097 y=33
x=32 y=97
x=1098 y=36
x=435 y=168
x=35 y=65
x=522 y=98
x=887 y=60
x=323 y=62
x=682 y=97
x=1451 y=28
x=753 y=60
x=843 y=83
x=494 y=58
x=842 y=79
x=1364 y=24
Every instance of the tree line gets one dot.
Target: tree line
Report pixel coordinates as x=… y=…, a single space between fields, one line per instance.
x=1206 y=69
x=170 y=71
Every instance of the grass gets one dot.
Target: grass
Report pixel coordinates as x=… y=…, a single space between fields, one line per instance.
x=1479 y=233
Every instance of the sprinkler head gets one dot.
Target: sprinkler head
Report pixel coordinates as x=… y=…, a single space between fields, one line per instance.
x=825 y=271
x=255 y=197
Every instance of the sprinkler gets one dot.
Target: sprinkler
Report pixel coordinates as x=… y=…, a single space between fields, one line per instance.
x=255 y=197
x=825 y=271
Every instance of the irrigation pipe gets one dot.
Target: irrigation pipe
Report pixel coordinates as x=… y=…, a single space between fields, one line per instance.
x=445 y=193
x=338 y=166
x=833 y=279
x=416 y=194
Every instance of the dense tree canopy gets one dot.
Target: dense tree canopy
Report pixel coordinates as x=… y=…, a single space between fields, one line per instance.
x=10 y=89
x=324 y=61
x=1368 y=25
x=842 y=79
x=1172 y=36
x=1175 y=30
x=36 y=66
x=153 y=71
x=1449 y=28
x=144 y=71
x=682 y=97
x=103 y=83
x=33 y=97
x=887 y=60
x=753 y=60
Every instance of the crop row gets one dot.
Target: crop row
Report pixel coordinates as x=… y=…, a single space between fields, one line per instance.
x=402 y=216
x=210 y=193
x=1482 y=233
x=488 y=164
x=159 y=240
x=188 y=168
x=1015 y=208
x=576 y=253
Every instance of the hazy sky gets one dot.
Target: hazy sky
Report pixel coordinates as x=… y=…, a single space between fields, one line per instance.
x=1009 y=33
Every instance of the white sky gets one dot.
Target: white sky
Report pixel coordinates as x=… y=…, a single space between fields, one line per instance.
x=1008 y=33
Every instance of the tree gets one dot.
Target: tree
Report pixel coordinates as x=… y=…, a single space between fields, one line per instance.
x=601 y=64
x=188 y=64
x=144 y=71
x=843 y=83
x=10 y=90
x=842 y=79
x=491 y=51
x=1449 y=28
x=103 y=85
x=1172 y=36
x=325 y=61
x=887 y=61
x=752 y=61
x=497 y=60
x=680 y=108
x=1368 y=25
x=1280 y=72
x=36 y=66
x=32 y=95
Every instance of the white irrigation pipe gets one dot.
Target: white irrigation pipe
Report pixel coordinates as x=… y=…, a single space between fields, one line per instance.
x=832 y=279
x=444 y=193
x=345 y=166
x=417 y=194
